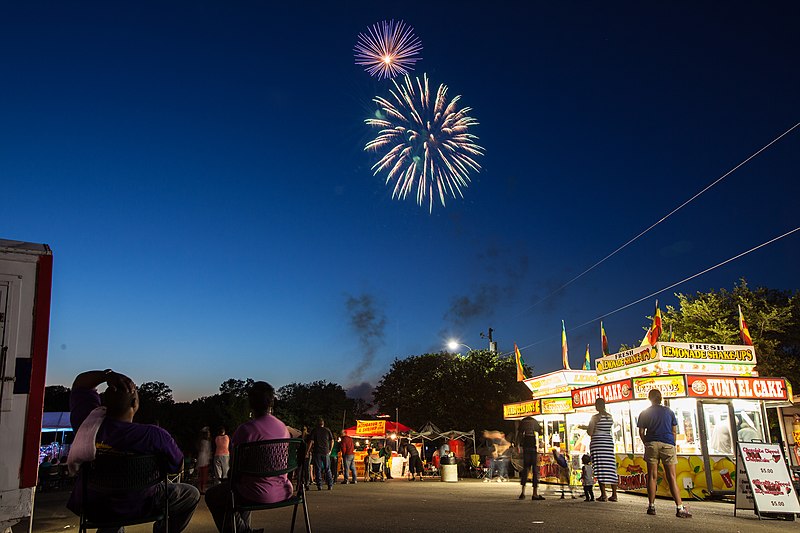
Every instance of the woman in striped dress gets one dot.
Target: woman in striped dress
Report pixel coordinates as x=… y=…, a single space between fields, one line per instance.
x=604 y=461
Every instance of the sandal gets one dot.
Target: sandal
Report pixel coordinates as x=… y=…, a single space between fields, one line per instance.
x=601 y=499
x=612 y=499
x=537 y=497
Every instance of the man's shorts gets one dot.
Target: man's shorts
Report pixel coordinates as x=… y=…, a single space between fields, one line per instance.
x=659 y=451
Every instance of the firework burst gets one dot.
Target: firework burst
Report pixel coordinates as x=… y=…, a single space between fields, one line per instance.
x=425 y=141
x=387 y=49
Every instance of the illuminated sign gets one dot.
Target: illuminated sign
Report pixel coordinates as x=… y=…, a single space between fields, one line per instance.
x=628 y=358
x=553 y=406
x=737 y=387
x=522 y=409
x=547 y=383
x=365 y=428
x=559 y=381
x=669 y=386
x=616 y=391
x=680 y=351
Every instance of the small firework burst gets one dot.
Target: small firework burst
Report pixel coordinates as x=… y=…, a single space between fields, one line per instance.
x=425 y=141
x=387 y=49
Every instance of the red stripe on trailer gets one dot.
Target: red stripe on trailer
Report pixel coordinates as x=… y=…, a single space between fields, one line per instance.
x=41 y=334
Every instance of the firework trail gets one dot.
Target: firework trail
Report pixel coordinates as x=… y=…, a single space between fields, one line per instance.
x=426 y=141
x=388 y=49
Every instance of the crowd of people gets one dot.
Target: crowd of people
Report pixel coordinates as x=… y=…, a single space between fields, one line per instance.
x=106 y=423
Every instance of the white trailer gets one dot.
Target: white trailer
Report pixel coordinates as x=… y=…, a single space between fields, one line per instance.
x=25 y=285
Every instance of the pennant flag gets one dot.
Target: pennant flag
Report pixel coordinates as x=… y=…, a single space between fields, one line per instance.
x=520 y=364
x=564 y=349
x=587 y=364
x=603 y=339
x=651 y=337
x=655 y=329
x=744 y=333
x=646 y=339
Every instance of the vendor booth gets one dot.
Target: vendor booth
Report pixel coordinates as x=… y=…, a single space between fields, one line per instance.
x=56 y=435
x=371 y=435
x=717 y=397
x=551 y=405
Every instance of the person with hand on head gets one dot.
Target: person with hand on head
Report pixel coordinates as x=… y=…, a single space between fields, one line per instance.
x=107 y=424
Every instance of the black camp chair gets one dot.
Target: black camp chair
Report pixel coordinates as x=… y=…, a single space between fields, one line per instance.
x=270 y=458
x=112 y=474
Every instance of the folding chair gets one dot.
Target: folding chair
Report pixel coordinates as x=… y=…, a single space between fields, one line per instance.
x=113 y=474
x=270 y=458
x=477 y=468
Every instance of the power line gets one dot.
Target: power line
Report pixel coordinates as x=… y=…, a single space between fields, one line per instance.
x=662 y=219
x=656 y=293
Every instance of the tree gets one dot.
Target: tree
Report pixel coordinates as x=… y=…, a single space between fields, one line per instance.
x=236 y=387
x=155 y=399
x=453 y=391
x=301 y=404
x=772 y=316
x=155 y=392
x=56 y=398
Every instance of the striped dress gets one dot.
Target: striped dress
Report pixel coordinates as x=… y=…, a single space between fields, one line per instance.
x=601 y=447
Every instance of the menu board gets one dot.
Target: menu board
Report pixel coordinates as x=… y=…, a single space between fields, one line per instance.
x=762 y=481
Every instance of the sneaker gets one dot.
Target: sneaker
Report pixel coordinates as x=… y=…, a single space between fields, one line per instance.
x=354 y=482
x=683 y=512
x=319 y=487
x=330 y=487
x=651 y=510
x=344 y=482
x=522 y=496
x=486 y=480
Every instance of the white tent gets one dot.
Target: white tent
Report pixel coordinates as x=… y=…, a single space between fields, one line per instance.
x=461 y=435
x=427 y=432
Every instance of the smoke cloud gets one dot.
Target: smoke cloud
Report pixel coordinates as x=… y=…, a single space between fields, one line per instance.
x=369 y=324
x=504 y=275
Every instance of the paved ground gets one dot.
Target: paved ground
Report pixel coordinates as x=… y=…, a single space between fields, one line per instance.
x=469 y=505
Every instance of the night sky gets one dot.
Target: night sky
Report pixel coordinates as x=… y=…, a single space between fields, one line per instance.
x=198 y=170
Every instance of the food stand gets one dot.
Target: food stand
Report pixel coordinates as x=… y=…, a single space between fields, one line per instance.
x=368 y=433
x=551 y=405
x=716 y=395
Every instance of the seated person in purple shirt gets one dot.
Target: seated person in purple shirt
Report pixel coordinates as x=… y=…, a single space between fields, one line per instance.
x=118 y=432
x=263 y=426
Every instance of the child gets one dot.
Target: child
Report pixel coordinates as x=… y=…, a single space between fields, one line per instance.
x=587 y=475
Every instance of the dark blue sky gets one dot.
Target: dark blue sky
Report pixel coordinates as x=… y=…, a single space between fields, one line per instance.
x=198 y=170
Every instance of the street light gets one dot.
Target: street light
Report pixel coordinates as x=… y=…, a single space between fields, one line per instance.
x=454 y=344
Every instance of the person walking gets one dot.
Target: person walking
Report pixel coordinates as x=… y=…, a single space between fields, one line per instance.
x=335 y=458
x=658 y=427
x=349 y=459
x=601 y=447
x=385 y=453
x=530 y=456
x=222 y=455
x=321 y=440
x=203 y=459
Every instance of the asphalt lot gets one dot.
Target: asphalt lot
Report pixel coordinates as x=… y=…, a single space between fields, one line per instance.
x=469 y=505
